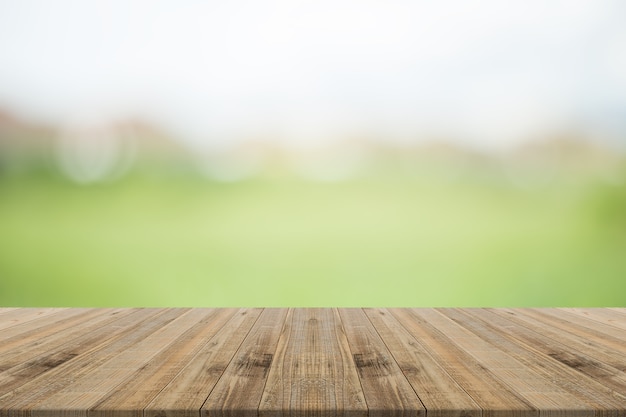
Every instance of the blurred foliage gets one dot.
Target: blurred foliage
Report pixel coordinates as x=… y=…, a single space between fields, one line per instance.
x=476 y=238
x=361 y=224
x=609 y=205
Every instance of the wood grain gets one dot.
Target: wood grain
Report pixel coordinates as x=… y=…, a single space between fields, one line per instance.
x=12 y=317
x=120 y=334
x=142 y=385
x=188 y=390
x=503 y=330
x=441 y=395
x=313 y=372
x=254 y=362
x=494 y=398
x=541 y=393
x=387 y=391
x=239 y=390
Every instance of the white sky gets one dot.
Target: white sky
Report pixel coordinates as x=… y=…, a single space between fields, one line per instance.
x=487 y=72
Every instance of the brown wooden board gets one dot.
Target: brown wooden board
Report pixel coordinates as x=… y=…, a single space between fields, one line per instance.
x=185 y=394
x=387 y=391
x=441 y=395
x=238 y=392
x=495 y=398
x=323 y=362
x=502 y=330
x=313 y=372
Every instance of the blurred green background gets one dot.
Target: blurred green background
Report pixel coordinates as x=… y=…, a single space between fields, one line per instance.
x=387 y=237
x=326 y=153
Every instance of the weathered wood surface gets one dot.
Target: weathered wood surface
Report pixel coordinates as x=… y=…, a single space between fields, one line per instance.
x=312 y=362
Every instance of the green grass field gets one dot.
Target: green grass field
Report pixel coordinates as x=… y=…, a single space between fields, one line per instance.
x=377 y=241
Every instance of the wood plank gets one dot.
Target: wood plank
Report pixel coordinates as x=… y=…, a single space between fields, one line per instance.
x=313 y=362
x=14 y=317
x=541 y=393
x=602 y=315
x=441 y=395
x=580 y=326
x=147 y=381
x=574 y=323
x=86 y=392
x=23 y=363
x=313 y=372
x=13 y=336
x=122 y=333
x=586 y=355
x=22 y=336
x=506 y=334
x=239 y=390
x=185 y=394
x=495 y=398
x=387 y=391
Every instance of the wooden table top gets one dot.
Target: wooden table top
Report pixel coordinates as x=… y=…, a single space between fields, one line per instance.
x=312 y=362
